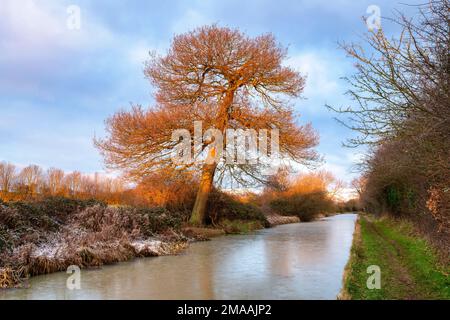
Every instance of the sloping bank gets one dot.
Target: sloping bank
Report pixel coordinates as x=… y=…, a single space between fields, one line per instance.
x=46 y=236
x=410 y=267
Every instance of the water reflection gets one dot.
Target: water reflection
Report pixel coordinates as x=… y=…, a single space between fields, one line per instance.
x=297 y=261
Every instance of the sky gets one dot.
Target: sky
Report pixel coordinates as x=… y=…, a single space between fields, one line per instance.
x=58 y=83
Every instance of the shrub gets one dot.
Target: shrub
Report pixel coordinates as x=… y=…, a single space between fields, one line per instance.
x=240 y=226
x=6 y=239
x=47 y=214
x=48 y=235
x=170 y=189
x=61 y=207
x=23 y=215
x=351 y=205
x=223 y=206
x=159 y=219
x=134 y=222
x=305 y=206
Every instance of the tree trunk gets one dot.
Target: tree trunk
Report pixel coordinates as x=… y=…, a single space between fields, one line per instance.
x=205 y=187
x=208 y=170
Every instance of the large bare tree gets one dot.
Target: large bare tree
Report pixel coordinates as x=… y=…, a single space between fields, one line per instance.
x=224 y=79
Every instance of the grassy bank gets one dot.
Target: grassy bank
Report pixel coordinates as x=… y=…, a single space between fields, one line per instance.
x=410 y=268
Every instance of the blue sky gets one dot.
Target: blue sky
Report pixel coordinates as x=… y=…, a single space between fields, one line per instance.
x=57 y=86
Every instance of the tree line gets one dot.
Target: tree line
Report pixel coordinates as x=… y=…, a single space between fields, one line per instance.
x=32 y=181
x=306 y=195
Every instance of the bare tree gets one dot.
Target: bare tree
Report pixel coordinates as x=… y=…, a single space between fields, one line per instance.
x=73 y=182
x=7 y=176
x=401 y=87
x=31 y=178
x=224 y=79
x=55 y=181
x=358 y=184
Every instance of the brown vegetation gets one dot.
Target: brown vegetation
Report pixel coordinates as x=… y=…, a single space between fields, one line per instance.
x=166 y=188
x=32 y=182
x=306 y=195
x=49 y=235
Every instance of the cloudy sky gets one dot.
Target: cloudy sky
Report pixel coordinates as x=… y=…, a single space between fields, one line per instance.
x=58 y=85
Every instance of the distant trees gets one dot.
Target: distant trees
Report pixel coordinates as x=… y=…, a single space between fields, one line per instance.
x=226 y=80
x=305 y=195
x=401 y=90
x=167 y=188
x=73 y=183
x=32 y=182
x=55 y=181
x=7 y=176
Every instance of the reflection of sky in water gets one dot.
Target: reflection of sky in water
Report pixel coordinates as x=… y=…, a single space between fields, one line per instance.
x=297 y=261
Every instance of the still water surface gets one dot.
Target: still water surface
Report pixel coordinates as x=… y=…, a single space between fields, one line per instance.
x=295 y=261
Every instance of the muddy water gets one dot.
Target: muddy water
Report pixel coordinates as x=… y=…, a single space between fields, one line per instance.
x=295 y=261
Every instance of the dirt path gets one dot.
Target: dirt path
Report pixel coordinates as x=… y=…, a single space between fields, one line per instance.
x=394 y=255
x=410 y=268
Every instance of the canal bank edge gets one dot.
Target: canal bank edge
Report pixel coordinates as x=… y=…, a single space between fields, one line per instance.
x=55 y=256
x=356 y=243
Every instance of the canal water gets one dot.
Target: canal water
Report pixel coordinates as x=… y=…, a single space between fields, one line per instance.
x=294 y=261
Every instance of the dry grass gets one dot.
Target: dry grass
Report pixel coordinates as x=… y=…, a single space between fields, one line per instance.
x=36 y=242
x=275 y=219
x=8 y=278
x=47 y=236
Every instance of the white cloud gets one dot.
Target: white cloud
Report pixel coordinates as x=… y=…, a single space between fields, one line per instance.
x=190 y=20
x=29 y=22
x=355 y=157
x=36 y=31
x=139 y=51
x=322 y=74
x=346 y=194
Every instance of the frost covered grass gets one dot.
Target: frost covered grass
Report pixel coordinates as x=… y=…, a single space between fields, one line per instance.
x=50 y=235
x=45 y=236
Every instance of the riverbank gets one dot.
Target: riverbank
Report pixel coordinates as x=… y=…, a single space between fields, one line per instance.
x=410 y=267
x=49 y=235
x=267 y=264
